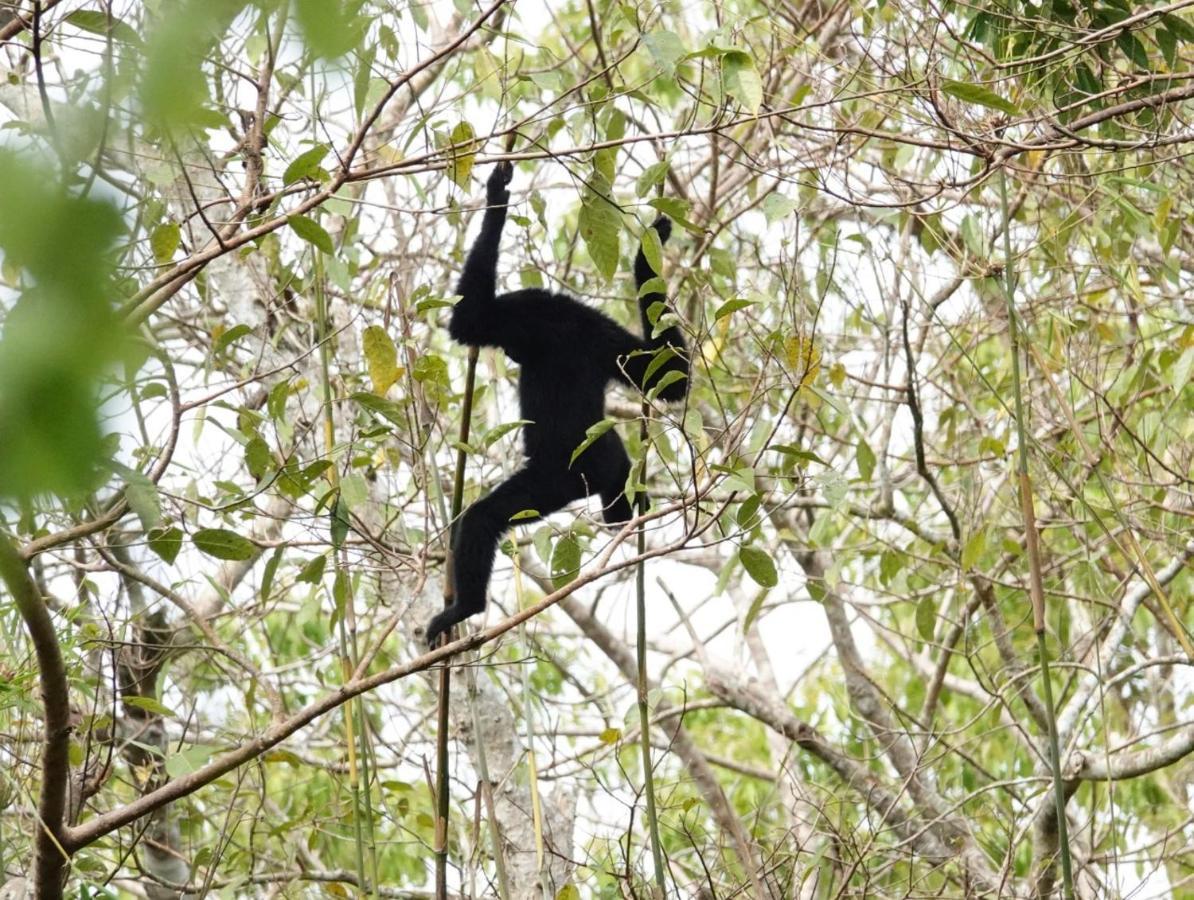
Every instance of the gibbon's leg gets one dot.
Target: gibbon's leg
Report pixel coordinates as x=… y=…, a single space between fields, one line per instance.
x=605 y=467
x=477 y=534
x=637 y=355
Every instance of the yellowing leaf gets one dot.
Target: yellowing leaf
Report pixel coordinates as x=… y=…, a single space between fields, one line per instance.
x=463 y=142
x=382 y=358
x=804 y=359
x=164 y=241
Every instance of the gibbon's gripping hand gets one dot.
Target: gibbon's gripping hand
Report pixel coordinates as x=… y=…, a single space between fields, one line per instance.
x=496 y=191
x=663 y=225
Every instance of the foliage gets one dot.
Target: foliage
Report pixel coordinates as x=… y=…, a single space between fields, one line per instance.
x=229 y=233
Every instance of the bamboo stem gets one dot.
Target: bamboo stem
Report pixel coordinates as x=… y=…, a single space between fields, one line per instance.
x=1036 y=586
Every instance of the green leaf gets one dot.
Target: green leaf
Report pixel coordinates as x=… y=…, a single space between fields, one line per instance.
x=463 y=143
x=1134 y=50
x=235 y=333
x=173 y=84
x=752 y=612
x=759 y=566
x=890 y=563
x=189 y=760
x=668 y=378
x=223 y=544
x=271 y=569
x=339 y=521
x=652 y=249
x=258 y=458
x=676 y=210
x=565 y=561
x=311 y=232
x=341 y=591
x=804 y=455
x=96 y=22
x=741 y=79
x=382 y=358
x=592 y=433
x=653 y=175
x=1181 y=29
x=748 y=512
x=142 y=497
x=980 y=95
x=666 y=49
x=387 y=409
x=166 y=543
x=305 y=165
x=312 y=572
x=493 y=435
x=974 y=548
x=926 y=617
x=865 y=458
x=59 y=337
x=601 y=229
x=164 y=241
x=777 y=207
x=149 y=704
x=731 y=306
x=362 y=77
x=330 y=29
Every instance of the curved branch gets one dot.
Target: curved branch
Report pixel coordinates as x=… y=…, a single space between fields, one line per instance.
x=50 y=860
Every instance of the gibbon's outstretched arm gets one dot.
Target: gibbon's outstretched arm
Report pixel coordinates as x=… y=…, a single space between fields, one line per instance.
x=474 y=319
x=569 y=353
x=633 y=366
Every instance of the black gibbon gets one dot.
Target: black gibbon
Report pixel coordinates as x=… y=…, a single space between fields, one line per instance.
x=569 y=353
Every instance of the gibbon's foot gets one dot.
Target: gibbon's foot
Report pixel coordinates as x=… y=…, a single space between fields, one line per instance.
x=441 y=623
x=664 y=226
x=495 y=187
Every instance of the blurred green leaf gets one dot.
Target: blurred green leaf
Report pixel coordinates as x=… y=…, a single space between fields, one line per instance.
x=741 y=78
x=980 y=95
x=666 y=49
x=311 y=232
x=565 y=561
x=166 y=543
x=223 y=544
x=926 y=617
x=330 y=29
x=59 y=336
x=96 y=22
x=305 y=165
x=173 y=85
x=164 y=241
x=759 y=566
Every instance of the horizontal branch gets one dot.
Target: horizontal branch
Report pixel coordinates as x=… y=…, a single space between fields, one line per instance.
x=177 y=788
x=1085 y=765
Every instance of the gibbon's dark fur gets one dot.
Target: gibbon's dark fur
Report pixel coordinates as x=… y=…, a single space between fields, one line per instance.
x=569 y=353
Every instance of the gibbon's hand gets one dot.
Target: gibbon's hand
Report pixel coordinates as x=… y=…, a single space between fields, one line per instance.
x=663 y=225
x=495 y=187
